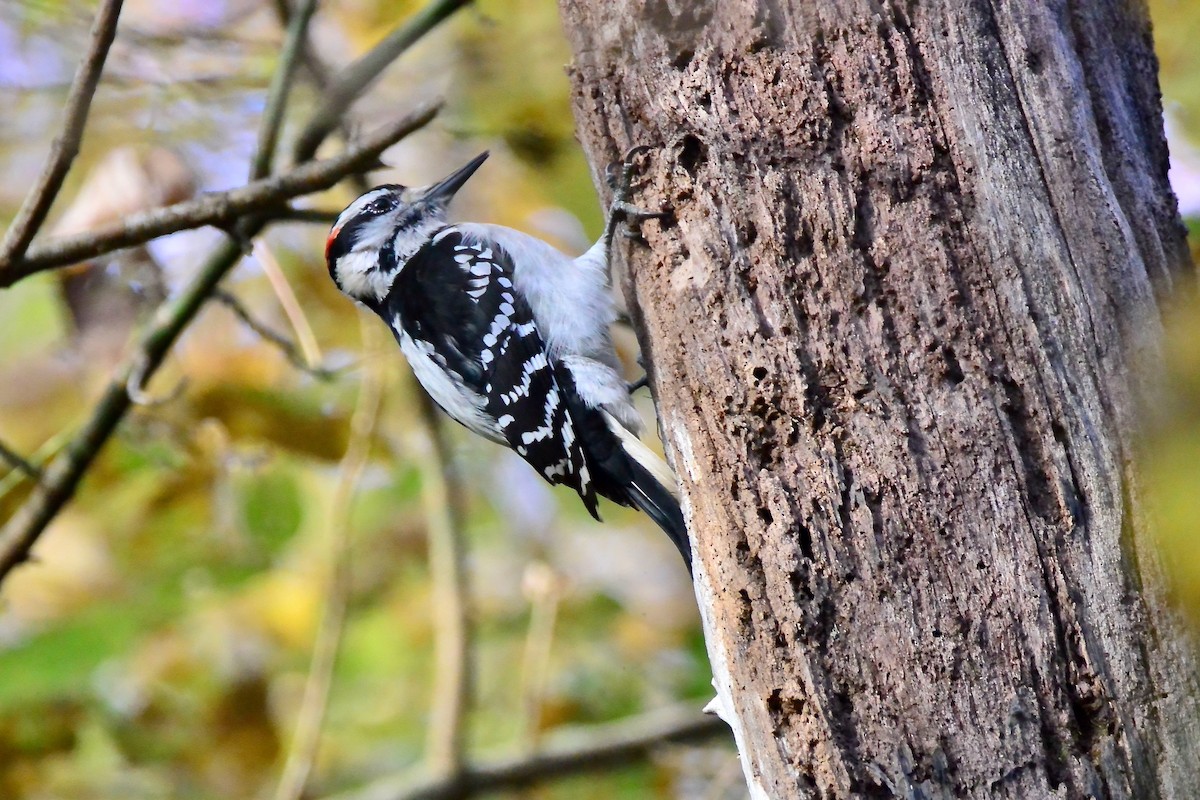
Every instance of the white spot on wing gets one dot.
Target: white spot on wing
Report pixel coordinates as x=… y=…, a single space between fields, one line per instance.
x=546 y=429
x=535 y=363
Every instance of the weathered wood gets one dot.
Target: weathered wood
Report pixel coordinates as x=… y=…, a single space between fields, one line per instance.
x=898 y=331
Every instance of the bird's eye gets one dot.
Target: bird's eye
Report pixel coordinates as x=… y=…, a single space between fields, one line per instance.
x=381 y=205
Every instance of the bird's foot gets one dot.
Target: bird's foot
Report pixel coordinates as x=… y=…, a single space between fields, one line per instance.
x=620 y=177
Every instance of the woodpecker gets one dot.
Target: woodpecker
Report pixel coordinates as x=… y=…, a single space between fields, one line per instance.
x=509 y=336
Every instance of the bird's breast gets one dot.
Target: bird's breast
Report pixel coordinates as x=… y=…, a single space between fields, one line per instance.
x=447 y=388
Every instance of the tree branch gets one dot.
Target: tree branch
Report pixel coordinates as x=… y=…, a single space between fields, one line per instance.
x=289 y=349
x=17 y=462
x=316 y=70
x=594 y=749
x=307 y=736
x=63 y=474
x=442 y=496
x=217 y=208
x=281 y=82
x=66 y=145
x=350 y=83
x=305 y=338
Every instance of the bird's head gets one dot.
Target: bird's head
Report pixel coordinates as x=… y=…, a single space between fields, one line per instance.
x=383 y=228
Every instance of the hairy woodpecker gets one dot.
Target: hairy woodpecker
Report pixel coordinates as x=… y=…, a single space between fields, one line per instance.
x=509 y=336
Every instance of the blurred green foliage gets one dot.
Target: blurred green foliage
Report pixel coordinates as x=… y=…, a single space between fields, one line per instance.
x=1176 y=31
x=1170 y=453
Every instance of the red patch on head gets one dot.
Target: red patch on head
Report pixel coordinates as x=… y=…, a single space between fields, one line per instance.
x=329 y=243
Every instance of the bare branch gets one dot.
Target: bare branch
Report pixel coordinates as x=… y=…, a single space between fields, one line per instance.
x=307 y=735
x=594 y=749
x=442 y=495
x=317 y=72
x=217 y=208
x=350 y=83
x=268 y=132
x=63 y=474
x=66 y=145
x=289 y=302
x=36 y=460
x=544 y=588
x=17 y=462
x=285 y=345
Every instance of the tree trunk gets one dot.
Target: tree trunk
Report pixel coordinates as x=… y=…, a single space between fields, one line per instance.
x=898 y=328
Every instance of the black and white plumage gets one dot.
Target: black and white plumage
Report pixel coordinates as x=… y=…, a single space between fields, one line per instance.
x=509 y=336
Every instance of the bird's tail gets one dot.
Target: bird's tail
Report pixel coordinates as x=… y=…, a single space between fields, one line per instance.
x=653 y=488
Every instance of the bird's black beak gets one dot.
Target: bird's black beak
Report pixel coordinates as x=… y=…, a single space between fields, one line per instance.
x=444 y=190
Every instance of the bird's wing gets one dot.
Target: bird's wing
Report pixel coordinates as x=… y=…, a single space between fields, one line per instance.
x=456 y=297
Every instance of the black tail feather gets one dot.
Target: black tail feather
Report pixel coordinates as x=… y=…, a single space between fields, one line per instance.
x=618 y=474
x=653 y=499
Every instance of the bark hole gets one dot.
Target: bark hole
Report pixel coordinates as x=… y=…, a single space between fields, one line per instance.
x=692 y=154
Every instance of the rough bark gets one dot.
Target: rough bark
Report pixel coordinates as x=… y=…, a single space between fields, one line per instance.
x=898 y=330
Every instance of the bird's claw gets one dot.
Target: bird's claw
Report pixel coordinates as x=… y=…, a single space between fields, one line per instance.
x=619 y=174
x=620 y=177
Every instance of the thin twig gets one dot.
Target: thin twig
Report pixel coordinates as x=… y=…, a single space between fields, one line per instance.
x=317 y=73
x=281 y=82
x=289 y=349
x=216 y=208
x=289 y=302
x=41 y=197
x=306 y=738
x=278 y=94
x=594 y=749
x=63 y=474
x=18 y=463
x=543 y=587
x=350 y=83
x=22 y=530
x=294 y=45
x=39 y=457
x=135 y=386
x=444 y=501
